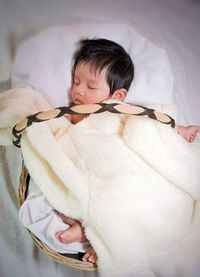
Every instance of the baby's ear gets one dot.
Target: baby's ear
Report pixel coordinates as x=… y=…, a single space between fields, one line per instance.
x=119 y=94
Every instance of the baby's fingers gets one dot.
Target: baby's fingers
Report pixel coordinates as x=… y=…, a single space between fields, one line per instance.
x=192 y=137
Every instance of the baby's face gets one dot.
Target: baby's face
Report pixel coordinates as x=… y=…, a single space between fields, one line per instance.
x=88 y=86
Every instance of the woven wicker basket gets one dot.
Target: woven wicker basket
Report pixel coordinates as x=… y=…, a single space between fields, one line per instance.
x=79 y=109
x=23 y=189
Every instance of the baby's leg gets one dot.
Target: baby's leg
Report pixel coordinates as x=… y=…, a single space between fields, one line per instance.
x=90 y=256
x=73 y=234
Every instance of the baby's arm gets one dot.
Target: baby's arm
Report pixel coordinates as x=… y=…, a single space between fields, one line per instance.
x=189 y=132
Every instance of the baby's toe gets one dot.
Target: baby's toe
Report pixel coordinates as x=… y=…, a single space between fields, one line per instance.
x=85 y=257
x=91 y=258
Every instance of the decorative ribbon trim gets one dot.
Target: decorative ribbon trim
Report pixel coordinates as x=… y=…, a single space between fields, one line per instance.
x=118 y=108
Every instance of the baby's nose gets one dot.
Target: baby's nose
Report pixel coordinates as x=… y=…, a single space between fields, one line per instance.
x=80 y=92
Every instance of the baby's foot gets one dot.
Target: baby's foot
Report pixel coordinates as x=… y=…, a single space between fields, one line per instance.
x=73 y=234
x=63 y=237
x=90 y=256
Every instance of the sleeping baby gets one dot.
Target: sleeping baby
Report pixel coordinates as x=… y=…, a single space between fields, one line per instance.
x=102 y=70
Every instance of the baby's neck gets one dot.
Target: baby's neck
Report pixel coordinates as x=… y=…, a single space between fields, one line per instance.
x=77 y=118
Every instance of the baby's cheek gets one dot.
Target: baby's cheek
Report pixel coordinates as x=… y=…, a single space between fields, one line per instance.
x=90 y=99
x=71 y=95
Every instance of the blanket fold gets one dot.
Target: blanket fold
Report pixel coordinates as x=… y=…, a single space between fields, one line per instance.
x=131 y=181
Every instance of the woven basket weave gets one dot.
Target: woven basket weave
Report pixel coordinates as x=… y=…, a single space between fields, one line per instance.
x=22 y=194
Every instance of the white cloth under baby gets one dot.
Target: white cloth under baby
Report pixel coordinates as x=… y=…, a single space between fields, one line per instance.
x=42 y=220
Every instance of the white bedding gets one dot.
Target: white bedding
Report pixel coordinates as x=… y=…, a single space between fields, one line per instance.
x=173 y=25
x=133 y=181
x=51 y=57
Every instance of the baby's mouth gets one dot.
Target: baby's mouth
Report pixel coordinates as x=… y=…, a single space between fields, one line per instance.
x=78 y=102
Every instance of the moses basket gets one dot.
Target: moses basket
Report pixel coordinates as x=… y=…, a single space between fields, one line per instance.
x=58 y=112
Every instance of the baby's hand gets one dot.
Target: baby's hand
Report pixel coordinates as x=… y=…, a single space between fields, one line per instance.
x=189 y=133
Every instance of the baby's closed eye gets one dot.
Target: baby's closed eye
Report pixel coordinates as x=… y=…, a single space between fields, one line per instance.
x=92 y=87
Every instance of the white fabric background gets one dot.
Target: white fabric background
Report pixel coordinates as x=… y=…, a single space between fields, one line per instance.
x=173 y=25
x=44 y=62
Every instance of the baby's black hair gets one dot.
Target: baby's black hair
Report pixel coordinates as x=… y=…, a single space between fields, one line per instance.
x=103 y=53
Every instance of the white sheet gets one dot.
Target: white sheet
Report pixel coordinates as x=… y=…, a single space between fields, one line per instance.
x=48 y=68
x=173 y=25
x=41 y=219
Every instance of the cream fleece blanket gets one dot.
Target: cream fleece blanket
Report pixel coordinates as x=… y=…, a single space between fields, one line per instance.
x=133 y=182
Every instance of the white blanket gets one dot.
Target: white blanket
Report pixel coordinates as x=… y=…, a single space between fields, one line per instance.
x=132 y=181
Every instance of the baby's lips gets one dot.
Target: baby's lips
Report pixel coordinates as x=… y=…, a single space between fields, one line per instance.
x=78 y=102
